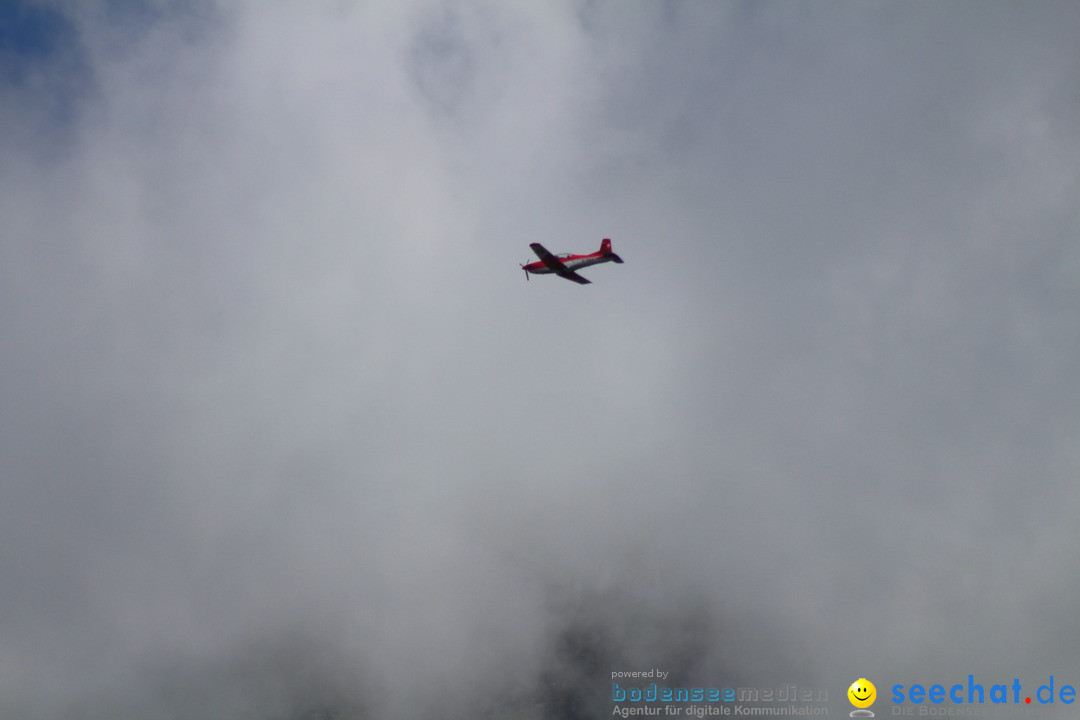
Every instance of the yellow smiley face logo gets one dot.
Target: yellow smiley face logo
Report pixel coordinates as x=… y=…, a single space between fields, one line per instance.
x=862 y=693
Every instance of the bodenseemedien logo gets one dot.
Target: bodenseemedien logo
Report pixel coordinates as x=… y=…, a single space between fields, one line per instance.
x=862 y=694
x=699 y=701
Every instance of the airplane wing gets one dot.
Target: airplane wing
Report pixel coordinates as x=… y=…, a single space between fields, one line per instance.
x=556 y=266
x=547 y=258
x=571 y=275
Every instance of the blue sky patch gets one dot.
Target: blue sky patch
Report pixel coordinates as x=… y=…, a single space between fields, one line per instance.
x=30 y=31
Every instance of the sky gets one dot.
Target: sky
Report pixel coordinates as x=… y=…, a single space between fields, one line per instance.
x=285 y=431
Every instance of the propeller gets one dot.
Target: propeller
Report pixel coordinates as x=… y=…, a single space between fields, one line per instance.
x=525 y=269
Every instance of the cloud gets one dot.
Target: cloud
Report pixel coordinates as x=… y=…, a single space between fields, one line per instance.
x=284 y=431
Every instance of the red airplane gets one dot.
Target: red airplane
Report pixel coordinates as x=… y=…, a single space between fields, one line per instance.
x=564 y=264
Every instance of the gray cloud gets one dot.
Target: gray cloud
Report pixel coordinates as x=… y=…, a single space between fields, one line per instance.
x=285 y=432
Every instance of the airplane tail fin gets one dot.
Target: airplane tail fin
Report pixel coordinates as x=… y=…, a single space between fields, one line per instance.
x=605 y=248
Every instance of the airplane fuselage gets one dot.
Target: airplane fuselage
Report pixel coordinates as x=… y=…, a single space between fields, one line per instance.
x=566 y=264
x=570 y=262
